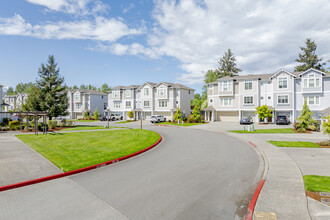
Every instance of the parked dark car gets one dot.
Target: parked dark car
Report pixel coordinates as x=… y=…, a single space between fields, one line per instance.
x=246 y=120
x=282 y=120
x=102 y=118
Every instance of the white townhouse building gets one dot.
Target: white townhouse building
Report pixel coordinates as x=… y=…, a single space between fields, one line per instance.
x=231 y=98
x=151 y=99
x=81 y=100
x=15 y=102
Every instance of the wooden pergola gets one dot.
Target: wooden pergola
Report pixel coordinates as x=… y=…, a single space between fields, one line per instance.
x=35 y=115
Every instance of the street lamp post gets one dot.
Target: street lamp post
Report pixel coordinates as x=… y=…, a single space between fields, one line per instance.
x=141 y=119
x=108 y=117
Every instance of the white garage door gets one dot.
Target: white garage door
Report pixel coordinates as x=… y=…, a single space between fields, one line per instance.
x=228 y=116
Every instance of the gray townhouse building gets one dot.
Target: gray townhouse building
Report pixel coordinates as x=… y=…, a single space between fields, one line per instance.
x=231 y=98
x=151 y=99
x=81 y=100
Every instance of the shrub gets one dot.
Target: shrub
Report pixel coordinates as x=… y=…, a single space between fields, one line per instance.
x=305 y=119
x=264 y=112
x=296 y=125
x=185 y=119
x=178 y=115
x=96 y=115
x=169 y=120
x=69 y=123
x=312 y=128
x=203 y=121
x=301 y=130
x=130 y=114
x=14 y=125
x=6 y=121
x=86 y=114
x=326 y=125
x=325 y=143
x=52 y=124
x=63 y=122
x=190 y=119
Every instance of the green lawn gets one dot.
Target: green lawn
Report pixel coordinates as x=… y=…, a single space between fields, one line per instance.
x=317 y=183
x=294 y=144
x=123 y=122
x=276 y=130
x=87 y=127
x=70 y=151
x=185 y=124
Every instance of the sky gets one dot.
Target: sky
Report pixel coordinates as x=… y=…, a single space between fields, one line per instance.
x=131 y=42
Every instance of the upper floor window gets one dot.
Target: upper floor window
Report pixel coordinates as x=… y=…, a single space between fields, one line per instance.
x=128 y=104
x=226 y=102
x=128 y=93
x=282 y=82
x=162 y=104
x=115 y=94
x=105 y=105
x=161 y=91
x=248 y=100
x=311 y=81
x=146 y=91
x=177 y=92
x=313 y=100
x=248 y=85
x=78 y=106
x=116 y=104
x=225 y=86
x=146 y=104
x=283 y=99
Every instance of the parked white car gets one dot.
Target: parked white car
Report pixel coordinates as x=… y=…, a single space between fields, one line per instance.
x=157 y=118
x=116 y=116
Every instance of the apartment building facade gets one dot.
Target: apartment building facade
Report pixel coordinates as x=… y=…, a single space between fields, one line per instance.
x=81 y=100
x=231 y=98
x=151 y=99
x=15 y=102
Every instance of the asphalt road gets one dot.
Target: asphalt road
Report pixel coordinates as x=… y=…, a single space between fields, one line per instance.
x=191 y=174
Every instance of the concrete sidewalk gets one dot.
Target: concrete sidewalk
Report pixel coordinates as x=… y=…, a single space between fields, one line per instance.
x=283 y=192
x=19 y=162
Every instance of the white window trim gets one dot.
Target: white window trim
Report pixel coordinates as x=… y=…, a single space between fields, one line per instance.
x=163 y=89
x=248 y=96
x=221 y=85
x=307 y=78
x=314 y=100
x=248 y=81
x=115 y=94
x=230 y=102
x=144 y=91
x=128 y=91
x=146 y=105
x=117 y=105
x=128 y=106
x=283 y=103
x=162 y=104
x=278 y=81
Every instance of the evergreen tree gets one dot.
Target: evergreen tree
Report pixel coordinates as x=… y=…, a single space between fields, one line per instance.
x=96 y=115
x=82 y=86
x=105 y=88
x=23 y=87
x=305 y=119
x=228 y=66
x=309 y=58
x=11 y=91
x=178 y=115
x=50 y=93
x=75 y=87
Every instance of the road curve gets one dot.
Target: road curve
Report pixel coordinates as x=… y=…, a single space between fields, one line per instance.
x=191 y=174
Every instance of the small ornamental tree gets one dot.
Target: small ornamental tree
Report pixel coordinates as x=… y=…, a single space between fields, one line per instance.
x=264 y=112
x=178 y=115
x=130 y=114
x=96 y=115
x=86 y=114
x=196 y=114
x=326 y=125
x=305 y=119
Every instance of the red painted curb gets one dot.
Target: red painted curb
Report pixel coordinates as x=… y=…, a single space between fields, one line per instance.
x=254 y=145
x=69 y=173
x=254 y=200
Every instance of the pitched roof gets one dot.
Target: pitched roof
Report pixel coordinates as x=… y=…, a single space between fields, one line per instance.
x=10 y=96
x=87 y=91
x=126 y=87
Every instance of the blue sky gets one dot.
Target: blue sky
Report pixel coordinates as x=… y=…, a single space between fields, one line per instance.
x=130 y=42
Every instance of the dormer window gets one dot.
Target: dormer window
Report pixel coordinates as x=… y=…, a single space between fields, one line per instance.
x=115 y=94
x=146 y=91
x=161 y=91
x=282 y=82
x=311 y=81
x=248 y=85
x=127 y=93
x=225 y=86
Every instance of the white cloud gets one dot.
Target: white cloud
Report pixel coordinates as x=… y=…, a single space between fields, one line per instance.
x=78 y=7
x=100 y=29
x=264 y=35
x=128 y=8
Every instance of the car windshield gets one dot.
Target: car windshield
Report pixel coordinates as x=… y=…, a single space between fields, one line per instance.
x=281 y=117
x=153 y=116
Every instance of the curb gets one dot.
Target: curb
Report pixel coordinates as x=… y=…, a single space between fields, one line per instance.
x=254 y=200
x=69 y=173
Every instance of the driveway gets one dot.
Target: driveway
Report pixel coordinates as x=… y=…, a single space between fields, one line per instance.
x=191 y=174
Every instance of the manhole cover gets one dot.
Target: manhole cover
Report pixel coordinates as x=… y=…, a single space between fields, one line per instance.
x=265 y=216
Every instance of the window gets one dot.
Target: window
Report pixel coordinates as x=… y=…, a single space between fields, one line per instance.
x=128 y=104
x=161 y=91
x=105 y=105
x=269 y=97
x=177 y=102
x=116 y=104
x=146 y=91
x=211 y=100
x=189 y=92
x=248 y=100
x=78 y=106
x=248 y=85
x=226 y=101
x=162 y=104
x=76 y=96
x=313 y=100
x=282 y=82
x=225 y=86
x=283 y=99
x=146 y=103
x=261 y=97
x=177 y=92
x=311 y=81
x=127 y=93
x=115 y=94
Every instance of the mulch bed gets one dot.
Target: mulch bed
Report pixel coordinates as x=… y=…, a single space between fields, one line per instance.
x=56 y=129
x=307 y=131
x=319 y=196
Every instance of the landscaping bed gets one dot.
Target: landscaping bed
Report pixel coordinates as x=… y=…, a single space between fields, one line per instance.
x=275 y=130
x=71 y=151
x=318 y=188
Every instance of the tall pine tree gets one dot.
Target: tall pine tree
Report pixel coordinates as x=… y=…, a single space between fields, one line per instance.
x=228 y=66
x=308 y=58
x=50 y=93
